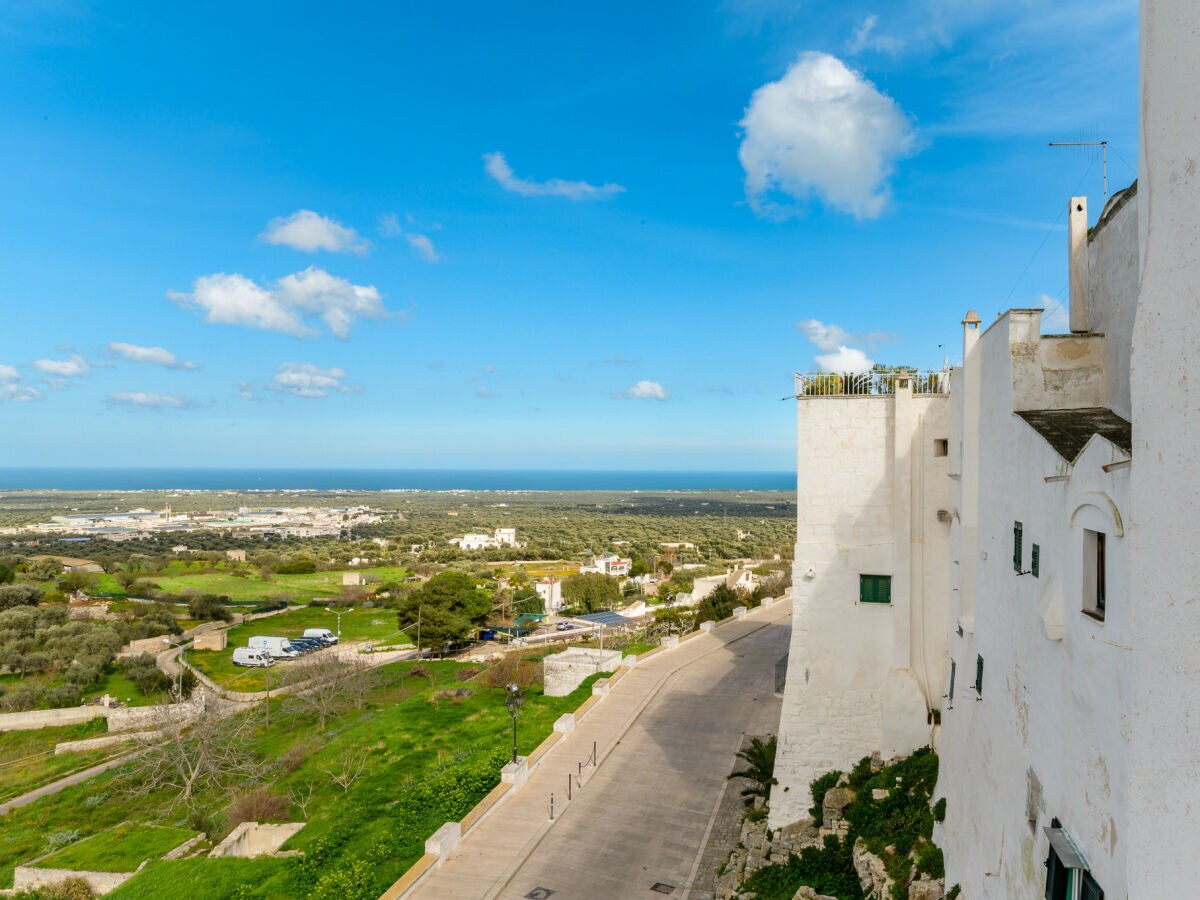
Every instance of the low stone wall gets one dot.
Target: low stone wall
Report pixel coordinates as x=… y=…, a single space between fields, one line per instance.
x=254 y=839
x=29 y=877
x=45 y=718
x=152 y=645
x=123 y=718
x=211 y=640
x=98 y=743
x=564 y=672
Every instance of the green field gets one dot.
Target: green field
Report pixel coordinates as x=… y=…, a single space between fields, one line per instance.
x=299 y=588
x=27 y=758
x=121 y=849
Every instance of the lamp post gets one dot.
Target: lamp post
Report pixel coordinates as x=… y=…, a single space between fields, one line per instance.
x=338 y=613
x=513 y=701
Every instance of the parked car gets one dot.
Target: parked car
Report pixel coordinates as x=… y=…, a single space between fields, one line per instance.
x=277 y=647
x=305 y=645
x=321 y=633
x=248 y=656
x=564 y=626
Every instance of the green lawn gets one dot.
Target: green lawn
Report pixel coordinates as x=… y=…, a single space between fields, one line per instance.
x=192 y=879
x=361 y=624
x=300 y=588
x=121 y=849
x=27 y=758
x=115 y=684
x=429 y=759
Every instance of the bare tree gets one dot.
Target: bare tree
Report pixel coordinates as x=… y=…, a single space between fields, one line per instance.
x=321 y=684
x=302 y=795
x=190 y=758
x=347 y=766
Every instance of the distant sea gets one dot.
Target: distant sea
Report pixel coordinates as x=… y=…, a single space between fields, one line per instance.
x=388 y=480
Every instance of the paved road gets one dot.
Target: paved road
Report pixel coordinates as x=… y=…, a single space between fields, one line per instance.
x=666 y=736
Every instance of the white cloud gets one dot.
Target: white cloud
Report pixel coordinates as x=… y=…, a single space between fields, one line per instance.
x=840 y=355
x=424 y=247
x=11 y=388
x=865 y=37
x=149 y=400
x=309 y=231
x=824 y=336
x=157 y=356
x=498 y=168
x=824 y=130
x=236 y=300
x=71 y=367
x=307 y=380
x=389 y=226
x=648 y=390
x=844 y=359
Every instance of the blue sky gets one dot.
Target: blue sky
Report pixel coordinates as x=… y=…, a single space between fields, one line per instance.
x=519 y=235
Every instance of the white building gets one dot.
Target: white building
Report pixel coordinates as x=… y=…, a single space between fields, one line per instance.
x=501 y=537
x=550 y=590
x=869 y=593
x=607 y=564
x=1052 y=624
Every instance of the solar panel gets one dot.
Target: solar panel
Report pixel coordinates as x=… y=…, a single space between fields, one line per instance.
x=604 y=618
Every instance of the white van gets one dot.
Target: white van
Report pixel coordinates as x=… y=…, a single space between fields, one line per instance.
x=248 y=656
x=277 y=647
x=321 y=633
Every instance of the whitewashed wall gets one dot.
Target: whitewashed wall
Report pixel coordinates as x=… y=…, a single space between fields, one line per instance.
x=1164 y=861
x=867 y=502
x=1057 y=685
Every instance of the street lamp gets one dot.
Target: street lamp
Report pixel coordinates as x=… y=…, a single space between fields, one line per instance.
x=338 y=613
x=178 y=665
x=513 y=701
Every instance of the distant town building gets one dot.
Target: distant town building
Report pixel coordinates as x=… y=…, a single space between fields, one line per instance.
x=550 y=590
x=607 y=564
x=501 y=537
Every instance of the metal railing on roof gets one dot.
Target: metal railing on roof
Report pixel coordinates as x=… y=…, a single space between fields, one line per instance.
x=849 y=384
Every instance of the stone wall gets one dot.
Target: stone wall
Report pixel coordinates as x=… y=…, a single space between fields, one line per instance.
x=30 y=877
x=255 y=839
x=564 y=672
x=45 y=718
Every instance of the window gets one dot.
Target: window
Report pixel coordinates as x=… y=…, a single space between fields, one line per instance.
x=1017 y=530
x=875 y=588
x=1035 y=558
x=941 y=447
x=1067 y=875
x=979 y=675
x=1094 y=580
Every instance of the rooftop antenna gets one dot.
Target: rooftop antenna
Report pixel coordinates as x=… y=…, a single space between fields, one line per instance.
x=1103 y=145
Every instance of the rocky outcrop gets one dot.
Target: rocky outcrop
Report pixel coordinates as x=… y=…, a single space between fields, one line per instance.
x=872 y=873
x=807 y=893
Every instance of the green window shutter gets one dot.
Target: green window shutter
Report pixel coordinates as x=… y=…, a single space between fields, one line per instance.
x=1017 y=530
x=1035 y=553
x=979 y=675
x=874 y=588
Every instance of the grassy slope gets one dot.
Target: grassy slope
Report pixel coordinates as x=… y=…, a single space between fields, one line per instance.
x=120 y=850
x=411 y=742
x=27 y=757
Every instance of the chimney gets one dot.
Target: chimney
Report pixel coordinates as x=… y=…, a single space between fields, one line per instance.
x=1077 y=264
x=970 y=325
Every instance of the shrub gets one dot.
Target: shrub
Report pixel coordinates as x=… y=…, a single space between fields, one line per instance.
x=300 y=564
x=60 y=839
x=12 y=595
x=930 y=861
x=939 y=810
x=62 y=695
x=259 y=805
x=209 y=607
x=68 y=889
x=466 y=674
x=454 y=695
